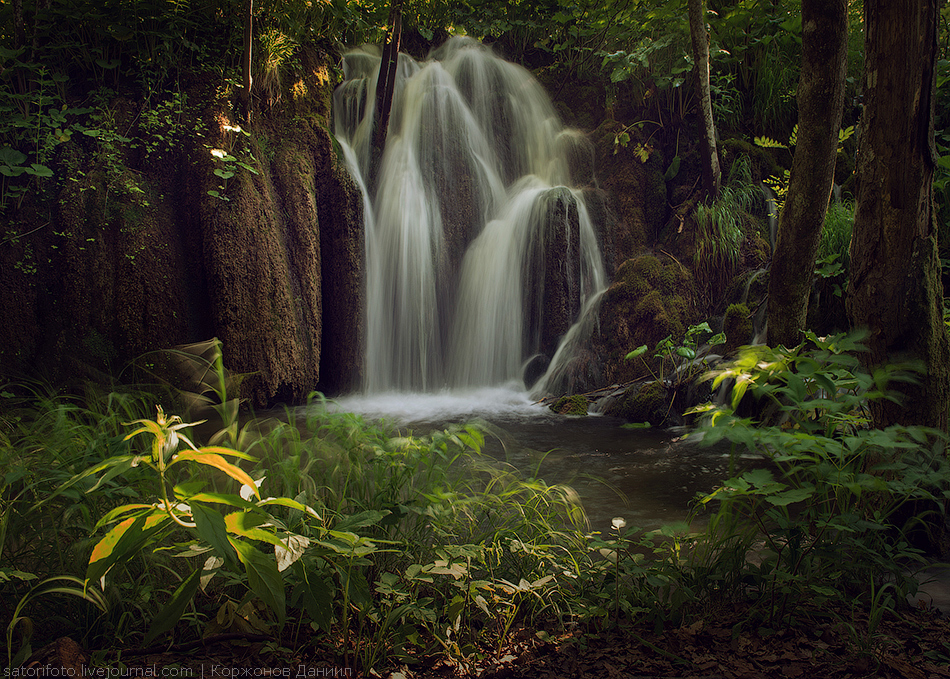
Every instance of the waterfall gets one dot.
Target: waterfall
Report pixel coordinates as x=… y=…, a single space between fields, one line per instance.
x=480 y=254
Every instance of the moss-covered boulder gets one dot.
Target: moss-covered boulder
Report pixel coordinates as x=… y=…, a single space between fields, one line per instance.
x=648 y=300
x=571 y=405
x=737 y=326
x=642 y=402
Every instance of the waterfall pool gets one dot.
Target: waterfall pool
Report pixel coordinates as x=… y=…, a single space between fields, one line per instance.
x=649 y=477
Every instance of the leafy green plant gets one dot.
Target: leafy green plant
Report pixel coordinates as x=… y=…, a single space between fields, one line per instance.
x=229 y=164
x=56 y=585
x=677 y=359
x=231 y=536
x=780 y=184
x=828 y=520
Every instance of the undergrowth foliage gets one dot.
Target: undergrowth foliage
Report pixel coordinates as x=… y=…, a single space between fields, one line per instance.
x=394 y=548
x=823 y=522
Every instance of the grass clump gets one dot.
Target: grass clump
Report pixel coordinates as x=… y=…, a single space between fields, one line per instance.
x=719 y=230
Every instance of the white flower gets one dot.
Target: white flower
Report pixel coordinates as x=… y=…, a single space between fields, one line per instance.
x=219 y=153
x=247 y=492
x=232 y=128
x=618 y=522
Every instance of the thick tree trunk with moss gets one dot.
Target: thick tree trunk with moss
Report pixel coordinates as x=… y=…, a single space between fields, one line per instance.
x=712 y=174
x=895 y=289
x=820 y=104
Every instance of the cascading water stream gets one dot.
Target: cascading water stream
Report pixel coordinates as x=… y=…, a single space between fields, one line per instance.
x=483 y=266
x=480 y=255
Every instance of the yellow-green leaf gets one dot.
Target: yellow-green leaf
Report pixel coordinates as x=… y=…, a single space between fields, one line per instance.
x=124 y=539
x=246 y=525
x=218 y=462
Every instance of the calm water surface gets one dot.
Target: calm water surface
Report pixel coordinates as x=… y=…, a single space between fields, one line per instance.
x=649 y=477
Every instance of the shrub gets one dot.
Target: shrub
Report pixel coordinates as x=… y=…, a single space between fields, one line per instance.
x=827 y=507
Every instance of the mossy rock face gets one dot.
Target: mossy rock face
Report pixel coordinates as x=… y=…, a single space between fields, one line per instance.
x=637 y=192
x=648 y=300
x=644 y=402
x=737 y=325
x=763 y=160
x=152 y=249
x=571 y=405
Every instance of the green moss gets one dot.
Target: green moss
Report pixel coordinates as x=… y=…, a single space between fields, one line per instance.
x=763 y=161
x=650 y=299
x=642 y=403
x=571 y=405
x=737 y=324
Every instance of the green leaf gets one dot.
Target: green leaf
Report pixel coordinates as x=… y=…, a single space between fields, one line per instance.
x=262 y=577
x=361 y=520
x=223 y=499
x=739 y=389
x=246 y=525
x=787 y=497
x=168 y=617
x=287 y=502
x=686 y=352
x=113 y=514
x=317 y=595
x=38 y=170
x=11 y=156
x=118 y=460
x=213 y=530
x=767 y=142
x=123 y=540
x=640 y=350
x=758 y=477
x=673 y=169
x=210 y=456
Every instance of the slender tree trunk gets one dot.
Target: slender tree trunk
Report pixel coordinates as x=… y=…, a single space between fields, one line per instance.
x=386 y=80
x=712 y=175
x=895 y=289
x=247 y=58
x=820 y=104
x=19 y=26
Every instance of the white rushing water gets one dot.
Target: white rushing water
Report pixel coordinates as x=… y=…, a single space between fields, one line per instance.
x=477 y=246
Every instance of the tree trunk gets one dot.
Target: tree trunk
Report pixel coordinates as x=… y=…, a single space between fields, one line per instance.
x=386 y=80
x=712 y=175
x=895 y=289
x=246 y=59
x=19 y=26
x=820 y=104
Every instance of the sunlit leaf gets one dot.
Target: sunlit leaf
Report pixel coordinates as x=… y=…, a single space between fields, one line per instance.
x=213 y=459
